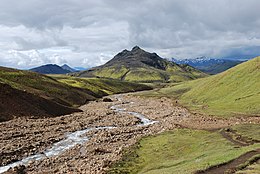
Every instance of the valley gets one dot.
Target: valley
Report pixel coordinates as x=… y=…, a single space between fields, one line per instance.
x=129 y=87
x=24 y=137
x=102 y=121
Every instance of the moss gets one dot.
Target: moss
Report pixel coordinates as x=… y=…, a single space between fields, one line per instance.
x=179 y=151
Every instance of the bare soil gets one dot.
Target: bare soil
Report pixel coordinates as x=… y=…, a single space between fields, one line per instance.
x=22 y=137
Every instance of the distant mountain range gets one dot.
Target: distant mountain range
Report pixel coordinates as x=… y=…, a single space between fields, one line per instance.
x=55 y=69
x=139 y=65
x=209 y=65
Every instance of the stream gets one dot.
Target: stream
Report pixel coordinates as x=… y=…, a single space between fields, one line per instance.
x=72 y=139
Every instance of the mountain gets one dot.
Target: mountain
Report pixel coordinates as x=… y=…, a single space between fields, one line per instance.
x=142 y=66
x=68 y=68
x=233 y=92
x=209 y=65
x=50 y=69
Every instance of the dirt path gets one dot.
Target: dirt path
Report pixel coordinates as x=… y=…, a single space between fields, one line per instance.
x=20 y=138
x=236 y=138
x=231 y=166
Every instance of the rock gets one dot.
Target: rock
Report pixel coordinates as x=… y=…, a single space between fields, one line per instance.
x=107 y=100
x=19 y=169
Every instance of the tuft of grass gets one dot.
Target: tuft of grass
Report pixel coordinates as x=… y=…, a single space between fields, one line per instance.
x=179 y=151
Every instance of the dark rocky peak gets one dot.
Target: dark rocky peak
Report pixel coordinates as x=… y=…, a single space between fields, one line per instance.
x=122 y=53
x=136 y=48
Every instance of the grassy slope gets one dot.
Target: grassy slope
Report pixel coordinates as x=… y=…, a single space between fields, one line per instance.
x=149 y=74
x=64 y=89
x=180 y=151
x=56 y=92
x=185 y=151
x=100 y=86
x=44 y=86
x=235 y=91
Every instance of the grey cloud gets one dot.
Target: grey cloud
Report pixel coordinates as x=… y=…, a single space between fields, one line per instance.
x=92 y=29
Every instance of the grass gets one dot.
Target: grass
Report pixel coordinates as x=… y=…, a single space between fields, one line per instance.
x=101 y=86
x=179 y=151
x=111 y=72
x=251 y=168
x=43 y=86
x=248 y=130
x=148 y=74
x=233 y=92
x=66 y=90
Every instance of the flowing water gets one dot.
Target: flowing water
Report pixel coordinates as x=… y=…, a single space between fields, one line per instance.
x=72 y=139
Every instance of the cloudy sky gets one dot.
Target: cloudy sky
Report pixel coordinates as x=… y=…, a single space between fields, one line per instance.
x=90 y=32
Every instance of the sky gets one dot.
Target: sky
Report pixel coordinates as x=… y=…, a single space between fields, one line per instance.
x=87 y=33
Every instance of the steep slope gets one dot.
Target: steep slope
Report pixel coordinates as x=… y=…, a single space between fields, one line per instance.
x=207 y=65
x=142 y=66
x=50 y=69
x=17 y=103
x=233 y=92
x=44 y=86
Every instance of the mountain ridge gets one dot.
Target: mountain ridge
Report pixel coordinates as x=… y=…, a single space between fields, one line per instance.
x=209 y=65
x=50 y=69
x=140 y=65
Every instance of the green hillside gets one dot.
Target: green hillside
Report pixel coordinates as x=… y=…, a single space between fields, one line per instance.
x=182 y=151
x=49 y=94
x=141 y=66
x=44 y=86
x=235 y=91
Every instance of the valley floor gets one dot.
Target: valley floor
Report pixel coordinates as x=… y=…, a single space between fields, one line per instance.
x=23 y=137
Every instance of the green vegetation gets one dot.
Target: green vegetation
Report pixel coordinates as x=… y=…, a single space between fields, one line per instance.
x=147 y=74
x=44 y=86
x=101 y=86
x=114 y=73
x=251 y=169
x=251 y=131
x=233 y=92
x=179 y=151
x=138 y=65
x=66 y=90
x=248 y=130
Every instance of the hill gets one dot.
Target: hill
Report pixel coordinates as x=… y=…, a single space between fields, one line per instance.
x=233 y=92
x=208 y=65
x=17 y=103
x=50 y=69
x=34 y=94
x=139 y=65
